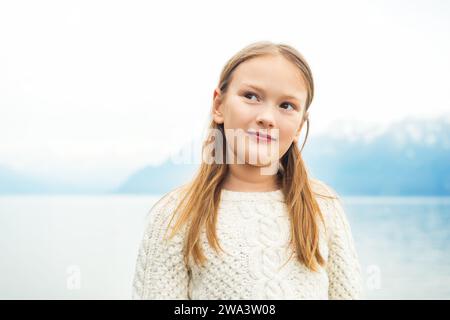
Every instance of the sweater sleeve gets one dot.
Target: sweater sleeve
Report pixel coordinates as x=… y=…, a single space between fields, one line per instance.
x=160 y=272
x=343 y=268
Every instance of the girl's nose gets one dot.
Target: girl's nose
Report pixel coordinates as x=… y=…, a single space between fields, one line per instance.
x=265 y=117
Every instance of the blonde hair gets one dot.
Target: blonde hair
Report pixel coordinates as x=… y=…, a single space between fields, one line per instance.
x=198 y=207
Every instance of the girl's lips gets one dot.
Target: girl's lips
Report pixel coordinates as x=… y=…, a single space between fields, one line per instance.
x=261 y=136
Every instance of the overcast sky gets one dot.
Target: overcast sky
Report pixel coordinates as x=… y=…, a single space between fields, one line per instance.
x=97 y=89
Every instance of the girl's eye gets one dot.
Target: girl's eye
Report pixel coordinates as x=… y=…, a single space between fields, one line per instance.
x=247 y=94
x=288 y=104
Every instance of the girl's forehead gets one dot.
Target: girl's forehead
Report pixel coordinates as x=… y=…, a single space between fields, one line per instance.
x=274 y=72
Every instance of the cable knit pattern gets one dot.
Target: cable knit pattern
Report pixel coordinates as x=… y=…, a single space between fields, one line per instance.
x=160 y=272
x=254 y=230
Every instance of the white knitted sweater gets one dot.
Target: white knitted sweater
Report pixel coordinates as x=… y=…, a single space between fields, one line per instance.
x=254 y=229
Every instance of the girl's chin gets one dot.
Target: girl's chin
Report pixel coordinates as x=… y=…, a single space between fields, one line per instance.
x=261 y=161
x=269 y=168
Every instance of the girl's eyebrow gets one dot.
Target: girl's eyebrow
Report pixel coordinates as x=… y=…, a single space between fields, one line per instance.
x=286 y=96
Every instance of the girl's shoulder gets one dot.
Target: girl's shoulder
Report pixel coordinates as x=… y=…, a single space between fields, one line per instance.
x=323 y=190
x=331 y=205
x=169 y=197
x=165 y=205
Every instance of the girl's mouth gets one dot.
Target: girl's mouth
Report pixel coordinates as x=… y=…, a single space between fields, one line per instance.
x=261 y=137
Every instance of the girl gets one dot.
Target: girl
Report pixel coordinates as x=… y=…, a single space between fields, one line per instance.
x=240 y=232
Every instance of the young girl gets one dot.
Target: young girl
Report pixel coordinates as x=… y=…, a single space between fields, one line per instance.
x=239 y=232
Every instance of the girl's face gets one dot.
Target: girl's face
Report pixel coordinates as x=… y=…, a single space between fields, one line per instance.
x=267 y=94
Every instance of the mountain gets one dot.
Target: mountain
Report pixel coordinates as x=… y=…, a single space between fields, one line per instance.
x=410 y=157
x=158 y=179
x=13 y=182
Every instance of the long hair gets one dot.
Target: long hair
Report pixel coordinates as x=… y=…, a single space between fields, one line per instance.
x=200 y=199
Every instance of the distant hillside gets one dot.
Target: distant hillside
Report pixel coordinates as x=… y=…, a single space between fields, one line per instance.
x=158 y=179
x=411 y=157
x=13 y=182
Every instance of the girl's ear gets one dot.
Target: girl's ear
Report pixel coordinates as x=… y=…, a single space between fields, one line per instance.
x=297 y=134
x=217 y=107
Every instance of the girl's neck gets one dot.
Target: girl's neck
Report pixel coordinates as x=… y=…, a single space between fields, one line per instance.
x=247 y=178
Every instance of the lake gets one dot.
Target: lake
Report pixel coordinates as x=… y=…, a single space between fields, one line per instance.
x=85 y=247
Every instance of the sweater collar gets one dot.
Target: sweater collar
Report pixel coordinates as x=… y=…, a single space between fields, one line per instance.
x=229 y=195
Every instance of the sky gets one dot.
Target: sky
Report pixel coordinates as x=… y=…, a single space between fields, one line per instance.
x=98 y=89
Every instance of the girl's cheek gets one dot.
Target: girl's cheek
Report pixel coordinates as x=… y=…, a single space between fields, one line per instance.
x=286 y=137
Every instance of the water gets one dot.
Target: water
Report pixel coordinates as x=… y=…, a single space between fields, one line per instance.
x=46 y=240
x=85 y=247
x=406 y=241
